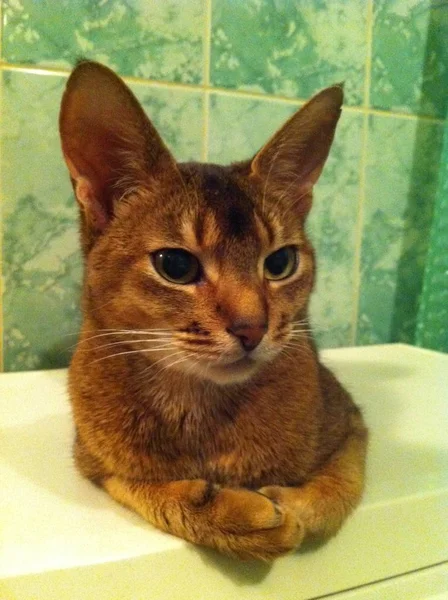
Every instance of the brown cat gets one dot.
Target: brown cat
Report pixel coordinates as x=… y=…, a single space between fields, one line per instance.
x=198 y=396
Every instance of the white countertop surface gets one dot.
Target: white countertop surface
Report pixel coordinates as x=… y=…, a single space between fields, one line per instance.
x=63 y=538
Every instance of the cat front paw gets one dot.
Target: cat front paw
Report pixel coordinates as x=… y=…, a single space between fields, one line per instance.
x=276 y=493
x=289 y=498
x=250 y=525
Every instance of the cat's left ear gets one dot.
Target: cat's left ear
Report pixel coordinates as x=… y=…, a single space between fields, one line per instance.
x=291 y=162
x=108 y=142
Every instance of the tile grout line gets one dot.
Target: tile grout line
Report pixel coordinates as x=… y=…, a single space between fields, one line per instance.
x=394 y=115
x=369 y=44
x=362 y=175
x=224 y=92
x=206 y=78
x=357 y=267
x=207 y=42
x=205 y=127
x=1 y=200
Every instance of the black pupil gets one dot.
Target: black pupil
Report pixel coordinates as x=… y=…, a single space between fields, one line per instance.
x=177 y=264
x=277 y=262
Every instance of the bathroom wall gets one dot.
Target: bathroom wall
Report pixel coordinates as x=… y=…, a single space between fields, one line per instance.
x=218 y=77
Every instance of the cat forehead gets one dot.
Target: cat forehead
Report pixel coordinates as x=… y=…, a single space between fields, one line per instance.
x=205 y=208
x=225 y=206
x=212 y=208
x=209 y=207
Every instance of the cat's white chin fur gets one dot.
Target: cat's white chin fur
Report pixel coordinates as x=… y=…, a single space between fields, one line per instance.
x=226 y=374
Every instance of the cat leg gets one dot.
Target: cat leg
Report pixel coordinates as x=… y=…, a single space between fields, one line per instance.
x=237 y=522
x=86 y=463
x=325 y=501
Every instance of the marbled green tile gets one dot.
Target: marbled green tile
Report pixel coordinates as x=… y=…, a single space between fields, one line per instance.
x=144 y=38
x=178 y=115
x=432 y=322
x=289 y=48
x=42 y=266
x=410 y=56
x=401 y=181
x=332 y=227
x=41 y=262
x=238 y=128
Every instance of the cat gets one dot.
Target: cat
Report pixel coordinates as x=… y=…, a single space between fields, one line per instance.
x=197 y=393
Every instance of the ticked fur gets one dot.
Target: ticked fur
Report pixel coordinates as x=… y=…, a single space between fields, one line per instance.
x=175 y=417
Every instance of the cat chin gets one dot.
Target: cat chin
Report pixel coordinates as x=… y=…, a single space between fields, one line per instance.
x=226 y=374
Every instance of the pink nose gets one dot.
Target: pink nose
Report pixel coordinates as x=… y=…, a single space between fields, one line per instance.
x=249 y=334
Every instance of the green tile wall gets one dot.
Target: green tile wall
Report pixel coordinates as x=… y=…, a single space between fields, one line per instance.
x=401 y=171
x=410 y=56
x=289 y=48
x=148 y=39
x=218 y=77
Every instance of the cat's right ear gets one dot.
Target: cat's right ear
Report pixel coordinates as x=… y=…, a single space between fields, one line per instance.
x=109 y=144
x=291 y=162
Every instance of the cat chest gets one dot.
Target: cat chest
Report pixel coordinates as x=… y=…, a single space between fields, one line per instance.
x=244 y=452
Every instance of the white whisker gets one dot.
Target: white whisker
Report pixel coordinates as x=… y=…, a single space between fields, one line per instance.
x=180 y=360
x=296 y=346
x=184 y=185
x=194 y=362
x=296 y=350
x=267 y=177
x=152 y=365
x=140 y=351
x=117 y=332
x=135 y=330
x=126 y=342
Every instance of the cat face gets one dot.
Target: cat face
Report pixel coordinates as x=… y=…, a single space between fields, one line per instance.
x=202 y=268
x=215 y=278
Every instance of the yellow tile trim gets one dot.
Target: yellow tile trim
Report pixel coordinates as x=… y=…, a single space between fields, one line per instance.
x=359 y=229
x=1 y=206
x=207 y=41
x=362 y=175
x=206 y=79
x=222 y=91
x=369 y=45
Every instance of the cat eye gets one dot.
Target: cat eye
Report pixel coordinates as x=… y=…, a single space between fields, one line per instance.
x=176 y=265
x=281 y=264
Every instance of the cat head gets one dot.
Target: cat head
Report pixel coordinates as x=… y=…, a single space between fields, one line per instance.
x=204 y=268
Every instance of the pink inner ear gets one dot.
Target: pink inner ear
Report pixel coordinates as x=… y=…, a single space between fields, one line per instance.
x=87 y=198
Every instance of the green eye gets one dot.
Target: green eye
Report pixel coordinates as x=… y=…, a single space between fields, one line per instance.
x=176 y=265
x=281 y=264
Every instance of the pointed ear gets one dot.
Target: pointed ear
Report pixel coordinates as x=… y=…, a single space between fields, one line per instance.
x=291 y=162
x=109 y=144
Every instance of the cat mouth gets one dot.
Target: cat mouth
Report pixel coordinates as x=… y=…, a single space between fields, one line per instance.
x=236 y=371
x=240 y=363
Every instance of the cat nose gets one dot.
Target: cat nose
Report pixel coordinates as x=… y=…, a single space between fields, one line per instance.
x=249 y=334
